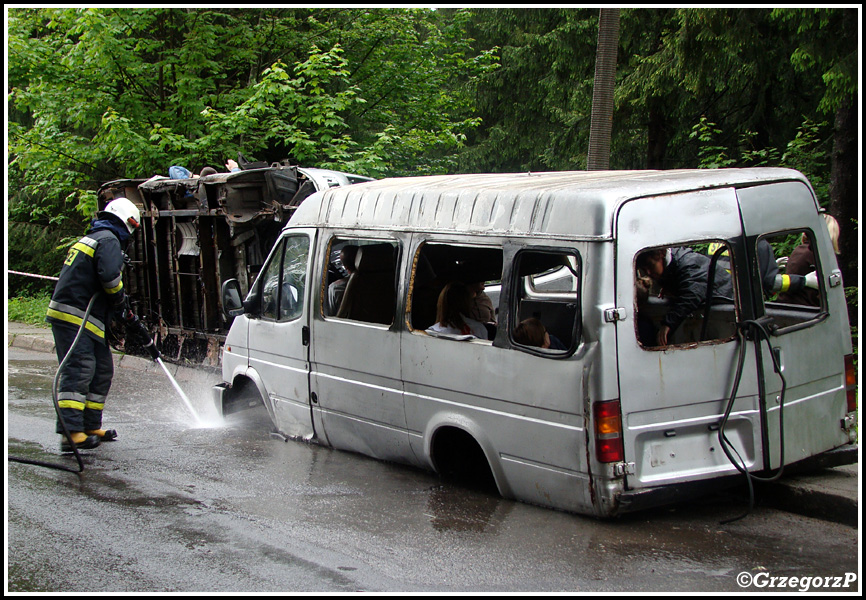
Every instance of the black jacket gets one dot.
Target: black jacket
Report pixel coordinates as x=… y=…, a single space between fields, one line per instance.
x=685 y=281
x=93 y=265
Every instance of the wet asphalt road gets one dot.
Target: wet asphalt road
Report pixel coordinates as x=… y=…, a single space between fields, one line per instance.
x=174 y=507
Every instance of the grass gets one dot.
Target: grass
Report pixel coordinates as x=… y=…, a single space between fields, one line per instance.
x=30 y=310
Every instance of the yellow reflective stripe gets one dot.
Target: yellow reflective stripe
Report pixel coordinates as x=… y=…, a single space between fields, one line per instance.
x=75 y=321
x=115 y=289
x=71 y=404
x=88 y=250
x=715 y=246
x=95 y=405
x=786 y=283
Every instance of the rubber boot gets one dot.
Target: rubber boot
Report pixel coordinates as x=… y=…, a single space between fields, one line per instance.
x=104 y=435
x=81 y=440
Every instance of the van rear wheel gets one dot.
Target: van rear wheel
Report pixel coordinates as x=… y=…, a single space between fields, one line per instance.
x=458 y=457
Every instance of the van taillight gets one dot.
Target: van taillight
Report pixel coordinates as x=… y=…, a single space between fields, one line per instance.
x=608 y=431
x=851 y=383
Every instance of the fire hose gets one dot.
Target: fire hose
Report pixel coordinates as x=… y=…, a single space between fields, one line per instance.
x=132 y=325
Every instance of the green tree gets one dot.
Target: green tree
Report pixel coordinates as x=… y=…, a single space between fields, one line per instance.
x=827 y=43
x=107 y=93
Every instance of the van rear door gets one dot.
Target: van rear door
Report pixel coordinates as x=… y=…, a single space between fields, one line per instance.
x=672 y=397
x=809 y=342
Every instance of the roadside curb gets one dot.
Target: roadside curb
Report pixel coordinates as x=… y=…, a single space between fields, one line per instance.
x=827 y=494
x=30 y=342
x=44 y=342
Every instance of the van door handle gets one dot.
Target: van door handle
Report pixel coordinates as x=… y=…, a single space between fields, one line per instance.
x=777 y=352
x=305 y=335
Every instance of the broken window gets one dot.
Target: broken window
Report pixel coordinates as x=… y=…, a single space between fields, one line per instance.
x=439 y=267
x=360 y=282
x=546 y=301
x=685 y=294
x=791 y=277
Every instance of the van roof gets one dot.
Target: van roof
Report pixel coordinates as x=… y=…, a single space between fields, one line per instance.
x=553 y=204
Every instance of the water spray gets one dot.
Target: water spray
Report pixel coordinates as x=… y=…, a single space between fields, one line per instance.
x=179 y=391
x=155 y=355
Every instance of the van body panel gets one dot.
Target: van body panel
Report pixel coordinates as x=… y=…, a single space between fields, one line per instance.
x=356 y=379
x=530 y=408
x=279 y=354
x=388 y=390
x=666 y=416
x=570 y=205
x=356 y=374
x=814 y=389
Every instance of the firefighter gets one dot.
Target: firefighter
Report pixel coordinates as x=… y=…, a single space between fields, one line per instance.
x=92 y=269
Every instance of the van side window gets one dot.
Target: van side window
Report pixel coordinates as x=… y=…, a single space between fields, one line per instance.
x=284 y=280
x=443 y=268
x=545 y=303
x=675 y=285
x=360 y=280
x=790 y=277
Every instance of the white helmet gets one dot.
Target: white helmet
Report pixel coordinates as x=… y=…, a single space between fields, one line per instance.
x=124 y=210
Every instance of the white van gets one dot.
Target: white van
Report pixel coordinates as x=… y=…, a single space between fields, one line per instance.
x=606 y=419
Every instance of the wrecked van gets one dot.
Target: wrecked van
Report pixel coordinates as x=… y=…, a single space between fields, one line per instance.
x=197 y=232
x=605 y=422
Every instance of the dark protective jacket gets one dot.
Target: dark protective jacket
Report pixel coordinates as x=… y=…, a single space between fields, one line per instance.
x=801 y=262
x=93 y=265
x=685 y=281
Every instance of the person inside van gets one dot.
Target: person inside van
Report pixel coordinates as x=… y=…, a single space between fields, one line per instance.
x=772 y=282
x=452 y=308
x=802 y=262
x=646 y=330
x=338 y=287
x=532 y=332
x=682 y=274
x=482 y=305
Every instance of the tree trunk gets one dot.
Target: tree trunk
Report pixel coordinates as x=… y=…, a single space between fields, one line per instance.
x=844 y=202
x=598 y=156
x=657 y=134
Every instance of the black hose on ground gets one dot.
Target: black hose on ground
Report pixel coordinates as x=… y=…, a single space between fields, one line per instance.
x=62 y=467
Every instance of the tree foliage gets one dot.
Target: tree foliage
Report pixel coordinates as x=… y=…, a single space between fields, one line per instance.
x=109 y=92
x=103 y=93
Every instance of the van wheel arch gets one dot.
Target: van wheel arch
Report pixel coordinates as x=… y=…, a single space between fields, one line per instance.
x=458 y=456
x=247 y=384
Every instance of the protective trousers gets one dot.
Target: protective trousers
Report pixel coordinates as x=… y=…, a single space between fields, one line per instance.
x=85 y=379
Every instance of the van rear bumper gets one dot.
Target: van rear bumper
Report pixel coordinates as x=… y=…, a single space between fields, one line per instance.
x=644 y=498
x=640 y=499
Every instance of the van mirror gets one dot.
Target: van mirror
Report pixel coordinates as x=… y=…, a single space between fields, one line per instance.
x=233 y=305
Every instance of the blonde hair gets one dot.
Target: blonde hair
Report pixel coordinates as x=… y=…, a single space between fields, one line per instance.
x=833 y=228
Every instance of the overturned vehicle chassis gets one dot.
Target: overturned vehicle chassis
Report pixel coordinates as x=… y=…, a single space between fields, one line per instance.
x=197 y=233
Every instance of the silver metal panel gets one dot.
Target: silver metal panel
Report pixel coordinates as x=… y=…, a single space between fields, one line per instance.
x=577 y=204
x=278 y=354
x=814 y=400
x=356 y=378
x=669 y=397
